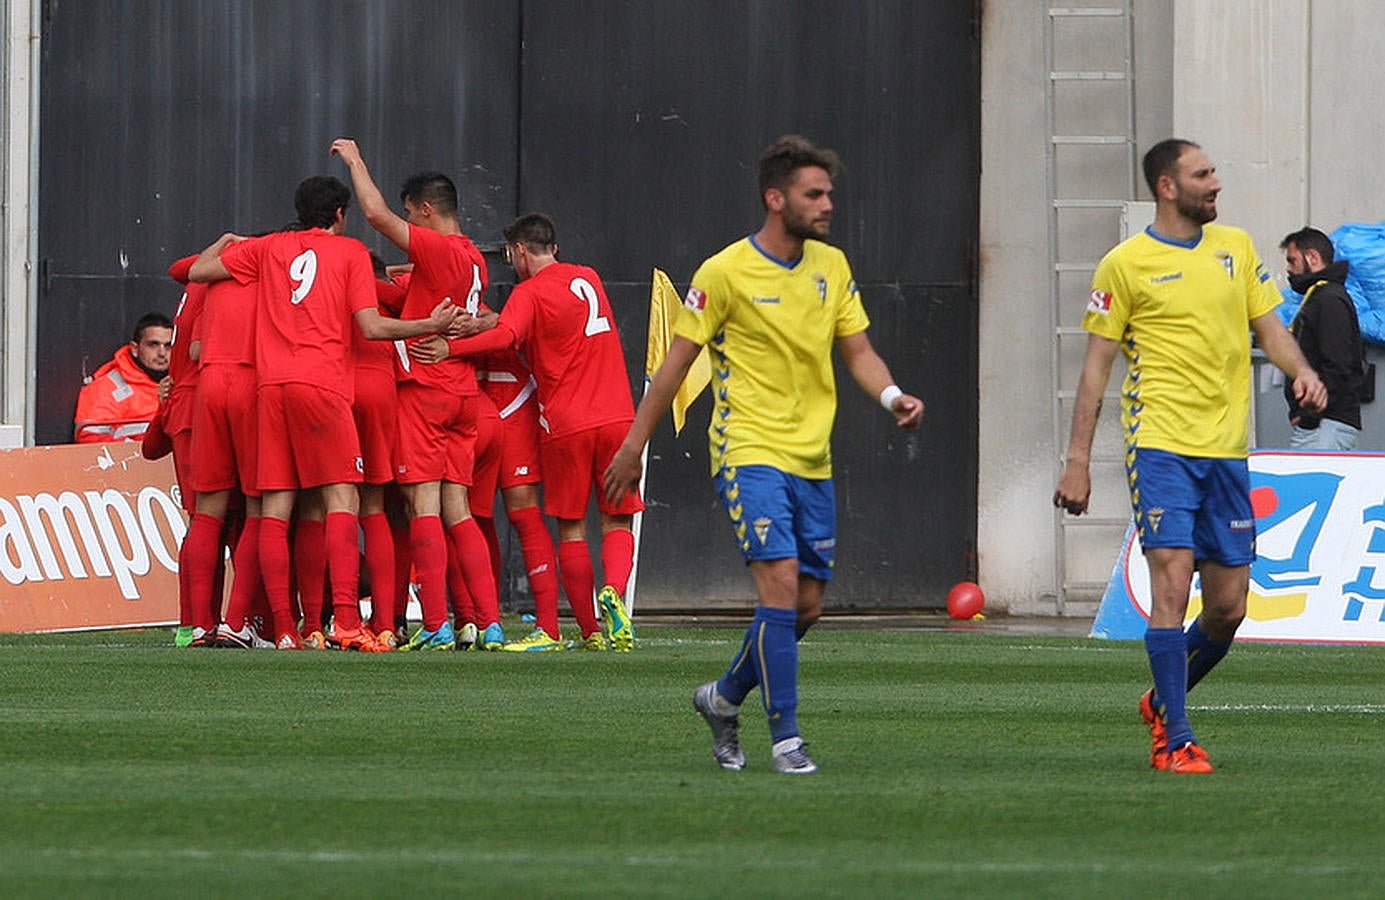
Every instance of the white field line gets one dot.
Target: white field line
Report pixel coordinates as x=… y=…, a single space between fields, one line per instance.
x=1373 y=709
x=395 y=856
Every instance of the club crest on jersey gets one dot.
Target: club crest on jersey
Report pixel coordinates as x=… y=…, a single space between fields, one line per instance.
x=762 y=530
x=821 y=282
x=696 y=299
x=1099 y=302
x=1228 y=263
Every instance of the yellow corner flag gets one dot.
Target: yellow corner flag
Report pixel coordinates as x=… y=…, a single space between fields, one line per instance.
x=664 y=304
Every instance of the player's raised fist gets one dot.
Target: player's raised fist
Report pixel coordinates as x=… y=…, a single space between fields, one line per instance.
x=347 y=150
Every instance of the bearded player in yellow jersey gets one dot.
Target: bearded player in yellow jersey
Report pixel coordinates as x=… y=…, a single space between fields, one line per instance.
x=771 y=307
x=1180 y=300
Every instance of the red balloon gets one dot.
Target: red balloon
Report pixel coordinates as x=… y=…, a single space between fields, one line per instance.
x=965 y=600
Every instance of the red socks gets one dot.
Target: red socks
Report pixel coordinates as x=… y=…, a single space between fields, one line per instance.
x=541 y=565
x=310 y=562
x=575 y=571
x=379 y=560
x=469 y=544
x=428 y=546
x=618 y=558
x=202 y=553
x=274 y=567
x=344 y=563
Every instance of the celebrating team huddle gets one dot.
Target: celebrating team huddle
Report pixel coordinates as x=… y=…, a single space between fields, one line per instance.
x=332 y=396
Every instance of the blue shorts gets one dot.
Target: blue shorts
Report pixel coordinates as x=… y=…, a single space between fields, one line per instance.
x=781 y=516
x=1195 y=503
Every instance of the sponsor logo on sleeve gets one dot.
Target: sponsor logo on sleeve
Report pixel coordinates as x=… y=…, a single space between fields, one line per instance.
x=696 y=299
x=1099 y=302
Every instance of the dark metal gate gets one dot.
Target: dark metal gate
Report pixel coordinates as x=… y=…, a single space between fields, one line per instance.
x=635 y=124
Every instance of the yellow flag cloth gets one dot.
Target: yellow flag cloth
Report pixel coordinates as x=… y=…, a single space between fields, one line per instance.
x=664 y=304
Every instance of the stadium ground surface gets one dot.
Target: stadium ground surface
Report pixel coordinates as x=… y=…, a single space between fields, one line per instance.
x=956 y=761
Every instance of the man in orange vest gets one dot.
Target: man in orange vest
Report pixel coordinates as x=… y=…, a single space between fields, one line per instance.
x=119 y=400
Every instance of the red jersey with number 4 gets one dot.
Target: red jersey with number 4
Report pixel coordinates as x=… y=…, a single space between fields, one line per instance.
x=445 y=266
x=311 y=285
x=563 y=325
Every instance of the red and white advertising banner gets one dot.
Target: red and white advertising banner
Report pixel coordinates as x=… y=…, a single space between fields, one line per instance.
x=89 y=537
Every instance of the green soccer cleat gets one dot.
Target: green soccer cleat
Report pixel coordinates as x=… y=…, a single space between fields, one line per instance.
x=538 y=641
x=615 y=621
x=592 y=643
x=442 y=639
x=183 y=636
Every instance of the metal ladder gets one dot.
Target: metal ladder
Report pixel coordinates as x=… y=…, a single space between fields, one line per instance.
x=1092 y=176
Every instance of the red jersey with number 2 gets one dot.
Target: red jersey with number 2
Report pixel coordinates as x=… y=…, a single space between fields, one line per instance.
x=565 y=329
x=311 y=285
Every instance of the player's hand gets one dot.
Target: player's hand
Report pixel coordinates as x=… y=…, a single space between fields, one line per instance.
x=165 y=387
x=430 y=350
x=1074 y=489
x=908 y=411
x=1310 y=392
x=622 y=475
x=347 y=150
x=444 y=315
x=223 y=242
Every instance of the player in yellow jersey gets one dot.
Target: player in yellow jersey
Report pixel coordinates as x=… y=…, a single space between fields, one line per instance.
x=1180 y=300
x=771 y=307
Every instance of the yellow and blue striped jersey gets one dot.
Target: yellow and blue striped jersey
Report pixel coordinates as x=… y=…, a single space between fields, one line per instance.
x=1182 y=311
x=771 y=325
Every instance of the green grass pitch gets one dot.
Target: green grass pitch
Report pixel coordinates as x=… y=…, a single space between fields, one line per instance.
x=954 y=763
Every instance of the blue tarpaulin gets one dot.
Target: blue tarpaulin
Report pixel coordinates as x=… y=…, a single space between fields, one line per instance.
x=1363 y=247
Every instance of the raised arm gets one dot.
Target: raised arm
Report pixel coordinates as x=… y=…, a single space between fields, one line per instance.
x=373 y=204
x=874 y=377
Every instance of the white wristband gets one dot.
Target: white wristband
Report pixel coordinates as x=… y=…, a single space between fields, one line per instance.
x=889 y=395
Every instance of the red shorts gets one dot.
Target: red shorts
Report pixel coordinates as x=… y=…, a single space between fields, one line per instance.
x=437 y=435
x=307 y=438
x=490 y=443
x=519 y=460
x=574 y=464
x=377 y=424
x=224 y=429
x=179 y=410
x=182 y=470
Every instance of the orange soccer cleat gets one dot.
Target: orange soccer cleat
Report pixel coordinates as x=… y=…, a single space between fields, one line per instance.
x=1158 y=737
x=1190 y=759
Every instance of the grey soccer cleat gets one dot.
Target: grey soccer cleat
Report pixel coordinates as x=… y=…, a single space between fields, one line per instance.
x=726 y=742
x=791 y=757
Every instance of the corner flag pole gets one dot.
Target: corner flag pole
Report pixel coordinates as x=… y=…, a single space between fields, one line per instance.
x=664 y=304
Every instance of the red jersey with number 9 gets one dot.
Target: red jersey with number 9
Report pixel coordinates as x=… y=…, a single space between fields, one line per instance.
x=311 y=285
x=565 y=329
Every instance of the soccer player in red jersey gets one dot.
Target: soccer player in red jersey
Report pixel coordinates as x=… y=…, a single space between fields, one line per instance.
x=224 y=445
x=437 y=404
x=175 y=420
x=312 y=283
x=507 y=381
x=375 y=409
x=559 y=318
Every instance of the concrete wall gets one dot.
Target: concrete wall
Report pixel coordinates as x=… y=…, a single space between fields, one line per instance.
x=1281 y=95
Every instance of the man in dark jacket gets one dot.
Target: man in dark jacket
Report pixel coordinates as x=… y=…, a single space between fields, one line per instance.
x=1330 y=337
